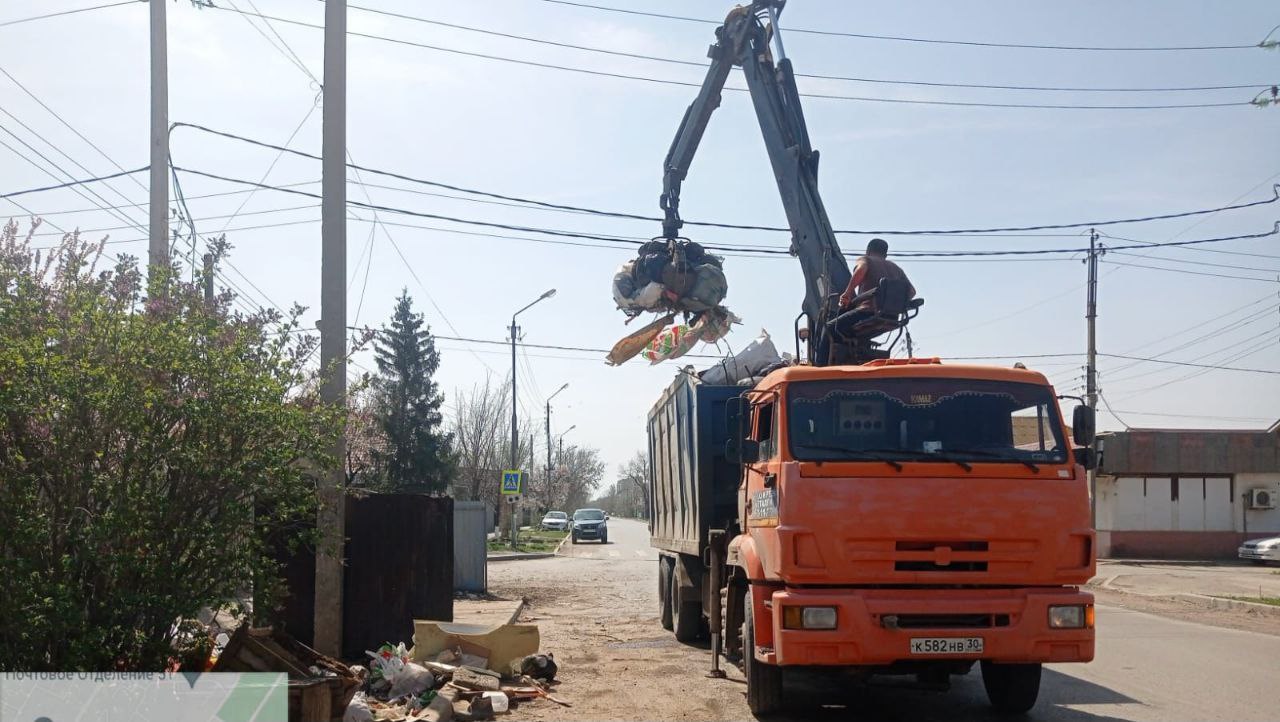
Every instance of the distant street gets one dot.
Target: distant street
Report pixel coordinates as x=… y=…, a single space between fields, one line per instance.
x=597 y=612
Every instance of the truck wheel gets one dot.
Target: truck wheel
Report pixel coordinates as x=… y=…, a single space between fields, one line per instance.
x=664 y=596
x=1011 y=688
x=686 y=614
x=764 y=681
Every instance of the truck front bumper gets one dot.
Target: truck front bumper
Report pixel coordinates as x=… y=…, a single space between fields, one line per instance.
x=877 y=626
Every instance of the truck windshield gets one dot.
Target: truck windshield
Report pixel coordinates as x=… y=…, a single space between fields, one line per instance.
x=915 y=419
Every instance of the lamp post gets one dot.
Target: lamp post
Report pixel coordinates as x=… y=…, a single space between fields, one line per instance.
x=560 y=455
x=515 y=424
x=552 y=396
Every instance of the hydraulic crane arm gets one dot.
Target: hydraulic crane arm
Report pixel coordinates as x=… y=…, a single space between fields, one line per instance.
x=743 y=41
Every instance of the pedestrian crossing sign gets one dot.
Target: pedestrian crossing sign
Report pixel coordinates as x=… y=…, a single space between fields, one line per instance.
x=512 y=482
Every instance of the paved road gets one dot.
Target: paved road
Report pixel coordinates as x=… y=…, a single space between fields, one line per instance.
x=597 y=612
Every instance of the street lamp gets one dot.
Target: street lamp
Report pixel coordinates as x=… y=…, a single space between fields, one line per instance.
x=562 y=433
x=552 y=396
x=515 y=428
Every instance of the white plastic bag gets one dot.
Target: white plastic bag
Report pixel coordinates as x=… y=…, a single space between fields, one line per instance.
x=412 y=679
x=758 y=355
x=358 y=710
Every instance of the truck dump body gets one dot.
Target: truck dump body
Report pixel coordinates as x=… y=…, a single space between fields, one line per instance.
x=694 y=485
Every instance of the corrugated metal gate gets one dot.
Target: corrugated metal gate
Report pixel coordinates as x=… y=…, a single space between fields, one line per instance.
x=472 y=521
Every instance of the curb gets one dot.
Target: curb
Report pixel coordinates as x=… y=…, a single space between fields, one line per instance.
x=1237 y=604
x=519 y=556
x=560 y=546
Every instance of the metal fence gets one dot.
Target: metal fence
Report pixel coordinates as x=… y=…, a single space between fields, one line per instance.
x=472 y=521
x=399 y=567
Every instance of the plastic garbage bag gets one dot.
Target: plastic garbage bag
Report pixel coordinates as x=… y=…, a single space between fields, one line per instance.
x=358 y=709
x=624 y=285
x=628 y=346
x=758 y=355
x=708 y=290
x=412 y=679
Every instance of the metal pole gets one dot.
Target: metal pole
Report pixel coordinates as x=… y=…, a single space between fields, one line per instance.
x=158 y=248
x=333 y=326
x=548 y=482
x=716 y=541
x=207 y=279
x=515 y=429
x=1091 y=368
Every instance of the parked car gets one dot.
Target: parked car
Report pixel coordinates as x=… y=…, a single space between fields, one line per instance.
x=556 y=521
x=589 y=524
x=1261 y=551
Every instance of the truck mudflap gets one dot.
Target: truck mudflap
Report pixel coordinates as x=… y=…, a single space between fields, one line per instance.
x=884 y=626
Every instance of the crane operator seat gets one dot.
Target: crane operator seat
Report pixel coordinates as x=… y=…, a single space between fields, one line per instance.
x=891 y=308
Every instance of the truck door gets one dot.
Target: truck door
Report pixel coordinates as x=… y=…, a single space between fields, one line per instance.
x=762 y=476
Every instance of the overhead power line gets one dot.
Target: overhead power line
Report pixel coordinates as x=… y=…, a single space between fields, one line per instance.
x=735 y=226
x=816 y=76
x=639 y=241
x=908 y=39
x=72 y=183
x=688 y=84
x=68 y=12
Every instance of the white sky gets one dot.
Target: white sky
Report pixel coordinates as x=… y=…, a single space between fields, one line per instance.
x=599 y=142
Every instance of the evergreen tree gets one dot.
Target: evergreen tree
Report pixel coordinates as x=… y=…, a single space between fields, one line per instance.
x=418 y=452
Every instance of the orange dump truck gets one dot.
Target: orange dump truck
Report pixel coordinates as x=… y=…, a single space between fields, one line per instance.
x=899 y=517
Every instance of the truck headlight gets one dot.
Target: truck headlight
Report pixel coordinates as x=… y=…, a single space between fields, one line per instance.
x=809 y=617
x=1075 y=616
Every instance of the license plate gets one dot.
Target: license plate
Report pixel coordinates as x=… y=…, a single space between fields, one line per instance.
x=946 y=645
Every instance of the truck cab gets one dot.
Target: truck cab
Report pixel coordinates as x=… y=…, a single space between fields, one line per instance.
x=900 y=517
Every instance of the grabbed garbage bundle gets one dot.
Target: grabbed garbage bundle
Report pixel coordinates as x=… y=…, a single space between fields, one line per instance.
x=668 y=277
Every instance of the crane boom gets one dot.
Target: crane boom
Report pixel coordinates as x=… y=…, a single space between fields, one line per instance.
x=743 y=41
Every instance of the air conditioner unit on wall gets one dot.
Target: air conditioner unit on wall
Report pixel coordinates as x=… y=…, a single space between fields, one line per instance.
x=1262 y=498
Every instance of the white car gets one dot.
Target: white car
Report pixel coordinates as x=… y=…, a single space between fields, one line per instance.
x=1260 y=551
x=555 y=520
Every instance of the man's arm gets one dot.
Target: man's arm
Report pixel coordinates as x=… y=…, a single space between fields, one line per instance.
x=859 y=273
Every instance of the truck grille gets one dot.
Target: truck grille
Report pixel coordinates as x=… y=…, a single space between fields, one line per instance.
x=918 y=549
x=945 y=621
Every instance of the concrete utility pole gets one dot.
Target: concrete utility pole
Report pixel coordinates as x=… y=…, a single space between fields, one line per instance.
x=515 y=424
x=158 y=249
x=548 y=482
x=1091 y=367
x=333 y=327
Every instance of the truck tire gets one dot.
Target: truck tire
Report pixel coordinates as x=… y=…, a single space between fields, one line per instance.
x=686 y=614
x=1011 y=688
x=764 y=681
x=664 y=596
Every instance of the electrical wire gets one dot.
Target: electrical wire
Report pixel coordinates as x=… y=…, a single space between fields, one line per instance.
x=907 y=39
x=816 y=76
x=73 y=183
x=687 y=84
x=68 y=12
x=732 y=226
x=1196 y=262
x=1189 y=272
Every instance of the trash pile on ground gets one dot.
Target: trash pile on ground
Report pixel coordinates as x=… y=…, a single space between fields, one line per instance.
x=453 y=672
x=669 y=277
x=320 y=687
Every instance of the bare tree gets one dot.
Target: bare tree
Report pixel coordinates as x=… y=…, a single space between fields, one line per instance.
x=479 y=427
x=634 y=476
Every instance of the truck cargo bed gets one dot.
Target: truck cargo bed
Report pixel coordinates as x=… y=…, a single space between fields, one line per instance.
x=694 y=486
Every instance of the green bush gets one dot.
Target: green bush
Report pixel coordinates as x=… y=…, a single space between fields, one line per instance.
x=153 y=451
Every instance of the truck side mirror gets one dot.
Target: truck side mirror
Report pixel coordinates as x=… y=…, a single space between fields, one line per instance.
x=742 y=451
x=1083 y=425
x=738 y=448
x=1086 y=457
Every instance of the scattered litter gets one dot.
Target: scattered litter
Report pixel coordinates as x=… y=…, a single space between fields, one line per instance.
x=412 y=679
x=500 y=644
x=316 y=682
x=498 y=702
x=358 y=710
x=539 y=666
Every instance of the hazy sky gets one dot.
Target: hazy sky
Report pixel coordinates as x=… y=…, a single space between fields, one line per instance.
x=599 y=142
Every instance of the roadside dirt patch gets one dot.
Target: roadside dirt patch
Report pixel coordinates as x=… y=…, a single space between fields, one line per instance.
x=1189 y=610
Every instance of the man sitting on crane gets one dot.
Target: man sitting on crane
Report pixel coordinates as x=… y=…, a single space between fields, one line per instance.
x=868 y=272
